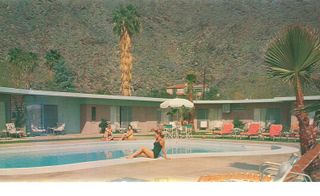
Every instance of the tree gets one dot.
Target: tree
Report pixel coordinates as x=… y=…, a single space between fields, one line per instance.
x=63 y=78
x=22 y=65
x=126 y=24
x=292 y=57
x=52 y=58
x=213 y=93
x=191 y=79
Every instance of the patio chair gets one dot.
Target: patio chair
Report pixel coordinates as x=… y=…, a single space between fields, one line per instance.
x=188 y=129
x=168 y=131
x=274 y=131
x=203 y=124
x=227 y=129
x=59 y=129
x=253 y=130
x=36 y=131
x=272 y=172
x=12 y=131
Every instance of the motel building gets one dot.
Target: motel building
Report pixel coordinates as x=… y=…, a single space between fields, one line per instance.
x=82 y=112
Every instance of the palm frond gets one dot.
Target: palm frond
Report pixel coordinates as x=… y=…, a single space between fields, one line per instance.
x=295 y=52
x=126 y=18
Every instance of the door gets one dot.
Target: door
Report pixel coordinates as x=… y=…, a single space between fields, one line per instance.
x=50 y=116
x=2 y=115
x=125 y=116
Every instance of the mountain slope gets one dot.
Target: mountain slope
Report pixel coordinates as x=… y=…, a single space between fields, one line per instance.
x=226 y=38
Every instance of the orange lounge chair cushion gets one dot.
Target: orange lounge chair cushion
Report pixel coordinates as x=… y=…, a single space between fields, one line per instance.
x=226 y=129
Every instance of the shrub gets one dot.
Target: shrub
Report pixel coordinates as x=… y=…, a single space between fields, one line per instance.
x=103 y=125
x=238 y=123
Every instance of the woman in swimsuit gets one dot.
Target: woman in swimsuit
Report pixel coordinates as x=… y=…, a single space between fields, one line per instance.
x=158 y=145
x=128 y=135
x=108 y=134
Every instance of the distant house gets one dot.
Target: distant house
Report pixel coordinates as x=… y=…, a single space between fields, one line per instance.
x=181 y=90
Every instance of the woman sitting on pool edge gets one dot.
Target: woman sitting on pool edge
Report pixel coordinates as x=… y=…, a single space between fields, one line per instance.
x=158 y=145
x=128 y=135
x=107 y=136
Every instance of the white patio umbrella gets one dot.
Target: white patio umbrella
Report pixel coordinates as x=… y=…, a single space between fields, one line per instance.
x=176 y=103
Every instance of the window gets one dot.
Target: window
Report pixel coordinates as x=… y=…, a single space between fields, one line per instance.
x=226 y=108
x=202 y=114
x=267 y=115
x=93 y=113
x=237 y=107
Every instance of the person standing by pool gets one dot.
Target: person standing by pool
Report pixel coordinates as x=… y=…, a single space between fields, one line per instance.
x=158 y=145
x=128 y=135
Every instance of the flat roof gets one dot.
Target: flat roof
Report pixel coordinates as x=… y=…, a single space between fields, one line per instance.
x=16 y=91
x=6 y=90
x=272 y=100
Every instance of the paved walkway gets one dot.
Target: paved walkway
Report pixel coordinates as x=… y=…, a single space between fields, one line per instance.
x=185 y=170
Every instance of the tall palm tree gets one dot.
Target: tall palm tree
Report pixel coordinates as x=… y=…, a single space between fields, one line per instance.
x=126 y=24
x=292 y=56
x=191 y=79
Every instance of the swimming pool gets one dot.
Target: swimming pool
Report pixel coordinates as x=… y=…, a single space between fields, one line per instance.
x=41 y=158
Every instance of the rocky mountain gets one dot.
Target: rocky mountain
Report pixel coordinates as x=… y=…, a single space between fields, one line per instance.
x=225 y=39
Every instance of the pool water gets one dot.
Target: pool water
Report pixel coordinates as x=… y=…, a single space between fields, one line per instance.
x=38 y=158
x=26 y=160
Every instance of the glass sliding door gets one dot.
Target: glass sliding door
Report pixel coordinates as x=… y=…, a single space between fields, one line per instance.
x=267 y=115
x=202 y=118
x=125 y=116
x=35 y=116
x=2 y=115
x=50 y=116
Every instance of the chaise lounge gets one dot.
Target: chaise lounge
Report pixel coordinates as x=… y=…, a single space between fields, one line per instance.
x=275 y=131
x=227 y=129
x=291 y=170
x=253 y=130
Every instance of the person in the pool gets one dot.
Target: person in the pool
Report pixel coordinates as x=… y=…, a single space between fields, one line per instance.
x=158 y=145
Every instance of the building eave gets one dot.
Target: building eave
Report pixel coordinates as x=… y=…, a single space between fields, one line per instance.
x=15 y=91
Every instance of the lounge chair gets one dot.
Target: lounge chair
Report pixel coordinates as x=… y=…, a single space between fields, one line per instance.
x=302 y=164
x=36 y=131
x=227 y=129
x=253 y=130
x=291 y=170
x=12 y=131
x=59 y=129
x=275 y=131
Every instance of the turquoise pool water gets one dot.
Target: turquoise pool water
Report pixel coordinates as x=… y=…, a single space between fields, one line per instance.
x=32 y=159
x=56 y=157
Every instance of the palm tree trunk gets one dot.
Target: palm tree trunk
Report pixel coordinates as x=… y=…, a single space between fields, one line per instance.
x=307 y=132
x=125 y=63
x=190 y=97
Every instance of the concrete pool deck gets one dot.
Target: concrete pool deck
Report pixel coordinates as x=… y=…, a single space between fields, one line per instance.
x=182 y=169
